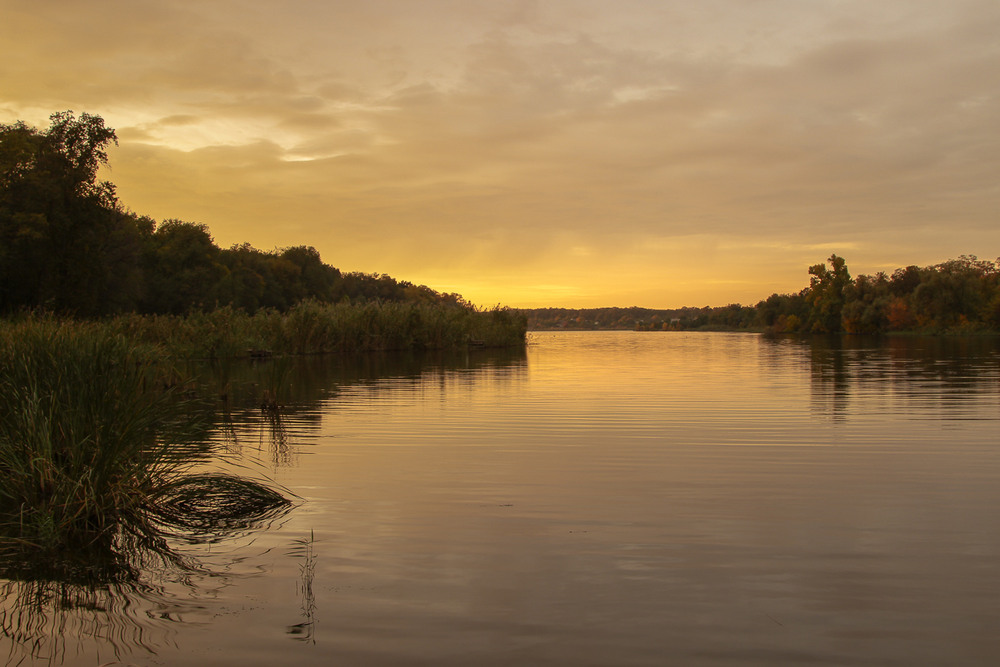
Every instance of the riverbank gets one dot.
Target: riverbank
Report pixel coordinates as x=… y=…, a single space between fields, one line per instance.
x=308 y=328
x=99 y=418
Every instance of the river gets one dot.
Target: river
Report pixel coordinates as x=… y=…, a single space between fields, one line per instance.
x=602 y=498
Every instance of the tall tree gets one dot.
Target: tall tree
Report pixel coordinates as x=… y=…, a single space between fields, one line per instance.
x=66 y=243
x=826 y=294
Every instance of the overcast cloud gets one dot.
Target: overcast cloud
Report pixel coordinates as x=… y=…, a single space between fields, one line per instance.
x=558 y=152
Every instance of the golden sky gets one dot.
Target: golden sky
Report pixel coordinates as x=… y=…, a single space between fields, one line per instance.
x=572 y=153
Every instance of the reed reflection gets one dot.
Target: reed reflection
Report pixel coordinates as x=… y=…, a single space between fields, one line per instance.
x=269 y=408
x=110 y=594
x=298 y=384
x=305 y=629
x=121 y=592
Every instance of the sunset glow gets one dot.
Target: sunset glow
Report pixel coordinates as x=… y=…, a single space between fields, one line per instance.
x=542 y=153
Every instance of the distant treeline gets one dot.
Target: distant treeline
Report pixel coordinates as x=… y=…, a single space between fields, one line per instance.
x=958 y=296
x=68 y=246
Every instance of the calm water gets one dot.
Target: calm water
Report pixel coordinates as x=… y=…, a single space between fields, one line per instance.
x=606 y=498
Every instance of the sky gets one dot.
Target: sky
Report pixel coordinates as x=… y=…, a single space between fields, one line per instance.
x=575 y=153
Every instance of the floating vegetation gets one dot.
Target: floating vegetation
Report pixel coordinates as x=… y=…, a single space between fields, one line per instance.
x=217 y=503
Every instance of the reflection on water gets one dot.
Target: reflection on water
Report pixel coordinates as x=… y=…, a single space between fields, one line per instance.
x=304 y=550
x=302 y=388
x=858 y=374
x=110 y=596
x=604 y=498
x=48 y=612
x=132 y=590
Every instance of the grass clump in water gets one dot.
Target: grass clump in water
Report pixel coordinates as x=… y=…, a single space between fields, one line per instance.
x=216 y=503
x=88 y=432
x=97 y=448
x=78 y=435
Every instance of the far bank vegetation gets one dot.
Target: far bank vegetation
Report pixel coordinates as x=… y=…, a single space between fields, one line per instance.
x=955 y=297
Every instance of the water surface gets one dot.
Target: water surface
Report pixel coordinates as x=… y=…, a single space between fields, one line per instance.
x=606 y=498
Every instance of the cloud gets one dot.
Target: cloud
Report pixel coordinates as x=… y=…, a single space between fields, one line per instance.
x=675 y=143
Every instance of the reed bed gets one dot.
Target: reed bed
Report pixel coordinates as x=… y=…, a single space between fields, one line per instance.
x=98 y=421
x=95 y=434
x=88 y=431
x=312 y=327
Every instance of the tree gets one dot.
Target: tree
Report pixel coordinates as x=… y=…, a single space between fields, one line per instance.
x=184 y=271
x=781 y=313
x=66 y=243
x=311 y=278
x=866 y=305
x=826 y=295
x=954 y=294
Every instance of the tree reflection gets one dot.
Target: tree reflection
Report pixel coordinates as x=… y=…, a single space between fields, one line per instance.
x=830 y=377
x=854 y=374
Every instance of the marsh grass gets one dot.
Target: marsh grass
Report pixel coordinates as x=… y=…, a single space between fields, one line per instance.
x=97 y=415
x=85 y=433
x=312 y=327
x=99 y=441
x=94 y=432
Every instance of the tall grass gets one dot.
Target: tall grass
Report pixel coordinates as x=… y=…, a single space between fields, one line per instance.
x=87 y=430
x=90 y=428
x=98 y=441
x=315 y=328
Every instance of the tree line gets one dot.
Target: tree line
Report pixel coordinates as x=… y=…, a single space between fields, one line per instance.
x=957 y=296
x=68 y=245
